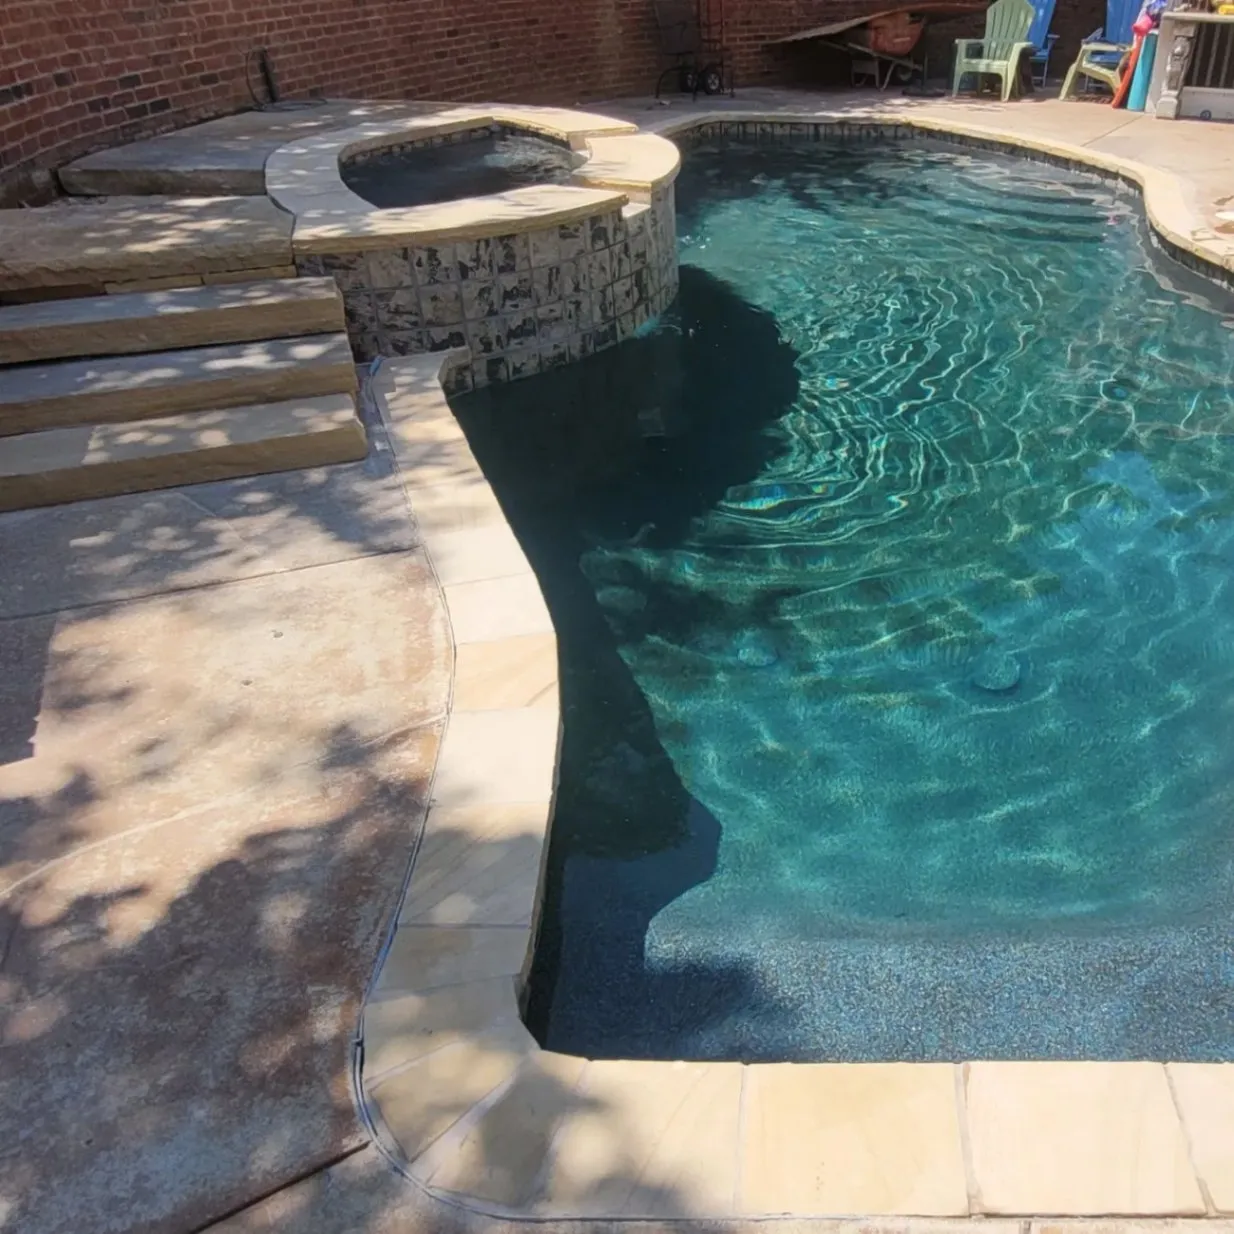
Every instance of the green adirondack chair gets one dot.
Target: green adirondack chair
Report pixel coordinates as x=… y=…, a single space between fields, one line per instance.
x=1007 y=24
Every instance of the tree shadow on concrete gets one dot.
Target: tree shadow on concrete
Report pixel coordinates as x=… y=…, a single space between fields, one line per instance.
x=215 y=770
x=208 y=792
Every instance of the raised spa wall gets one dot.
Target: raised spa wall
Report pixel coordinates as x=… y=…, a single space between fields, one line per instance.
x=526 y=280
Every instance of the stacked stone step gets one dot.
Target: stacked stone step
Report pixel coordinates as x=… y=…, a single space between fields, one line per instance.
x=121 y=393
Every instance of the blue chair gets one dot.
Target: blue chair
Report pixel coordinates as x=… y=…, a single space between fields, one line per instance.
x=1042 y=40
x=1104 y=50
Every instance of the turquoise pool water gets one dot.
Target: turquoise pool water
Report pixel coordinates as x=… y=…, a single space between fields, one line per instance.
x=894 y=580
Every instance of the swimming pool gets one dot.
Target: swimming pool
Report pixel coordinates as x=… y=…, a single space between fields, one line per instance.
x=892 y=577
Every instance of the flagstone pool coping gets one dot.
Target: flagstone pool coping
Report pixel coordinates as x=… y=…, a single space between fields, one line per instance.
x=472 y=1111
x=618 y=164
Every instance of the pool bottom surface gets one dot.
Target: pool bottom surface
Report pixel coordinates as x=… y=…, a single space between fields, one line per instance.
x=893 y=577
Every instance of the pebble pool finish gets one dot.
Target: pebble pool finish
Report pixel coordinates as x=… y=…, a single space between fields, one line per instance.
x=470 y=163
x=893 y=577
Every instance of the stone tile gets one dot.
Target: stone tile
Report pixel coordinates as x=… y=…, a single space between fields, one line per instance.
x=446 y=338
x=522 y=363
x=475 y=553
x=511 y=253
x=398 y=310
x=545 y=247
x=549 y=285
x=519 y=329
x=123 y=547
x=399 y=1029
x=574 y=278
x=434 y=265
x=428 y=1096
x=600 y=267
x=1205 y=1097
x=572 y=240
x=388 y=268
x=493 y=368
x=497 y=608
x=852 y=1138
x=517 y=291
x=1078 y=1138
x=405 y=342
x=432 y=451
x=480 y=299
x=647 y=1139
x=511 y=672
x=499 y=1157
x=424 y=957
x=498 y=756
x=600 y=231
x=474 y=259
x=441 y=305
x=460 y=506
x=478 y=865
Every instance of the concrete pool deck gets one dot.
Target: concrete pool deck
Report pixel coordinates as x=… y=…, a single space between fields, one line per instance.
x=204 y=984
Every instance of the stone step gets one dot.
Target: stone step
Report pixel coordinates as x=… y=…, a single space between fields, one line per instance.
x=103 y=460
x=79 y=249
x=34 y=397
x=160 y=320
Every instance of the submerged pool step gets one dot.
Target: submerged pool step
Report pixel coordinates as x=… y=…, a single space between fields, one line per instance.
x=162 y=320
x=103 y=460
x=108 y=390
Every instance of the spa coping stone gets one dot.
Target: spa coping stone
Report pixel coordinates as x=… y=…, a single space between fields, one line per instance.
x=527 y=280
x=486 y=1124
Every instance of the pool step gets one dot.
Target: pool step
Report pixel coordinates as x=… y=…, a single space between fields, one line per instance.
x=107 y=390
x=103 y=460
x=160 y=320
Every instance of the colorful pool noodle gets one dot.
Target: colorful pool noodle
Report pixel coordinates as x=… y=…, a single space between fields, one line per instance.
x=1138 y=97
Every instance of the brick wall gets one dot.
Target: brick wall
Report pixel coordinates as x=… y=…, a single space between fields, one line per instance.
x=79 y=74
x=76 y=75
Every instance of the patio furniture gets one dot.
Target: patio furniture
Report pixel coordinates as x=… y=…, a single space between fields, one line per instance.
x=881 y=45
x=1103 y=52
x=691 y=36
x=998 y=53
x=1042 y=40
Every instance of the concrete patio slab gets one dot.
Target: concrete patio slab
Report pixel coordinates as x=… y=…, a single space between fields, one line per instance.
x=210 y=775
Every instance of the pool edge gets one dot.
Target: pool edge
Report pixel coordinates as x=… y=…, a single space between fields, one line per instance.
x=489 y=1127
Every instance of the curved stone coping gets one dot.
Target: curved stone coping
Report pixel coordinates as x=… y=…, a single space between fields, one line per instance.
x=617 y=163
x=1166 y=199
x=484 y=1121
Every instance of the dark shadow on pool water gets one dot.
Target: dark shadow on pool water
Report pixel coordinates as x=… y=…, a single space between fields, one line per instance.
x=893 y=578
x=625 y=446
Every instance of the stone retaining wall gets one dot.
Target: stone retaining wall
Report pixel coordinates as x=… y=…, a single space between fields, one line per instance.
x=521 y=303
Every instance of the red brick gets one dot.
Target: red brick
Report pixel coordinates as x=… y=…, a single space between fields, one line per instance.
x=193 y=54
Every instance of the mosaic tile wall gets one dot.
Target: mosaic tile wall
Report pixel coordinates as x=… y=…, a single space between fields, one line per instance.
x=521 y=303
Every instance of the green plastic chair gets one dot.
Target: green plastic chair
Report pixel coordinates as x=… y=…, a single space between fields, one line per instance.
x=1007 y=23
